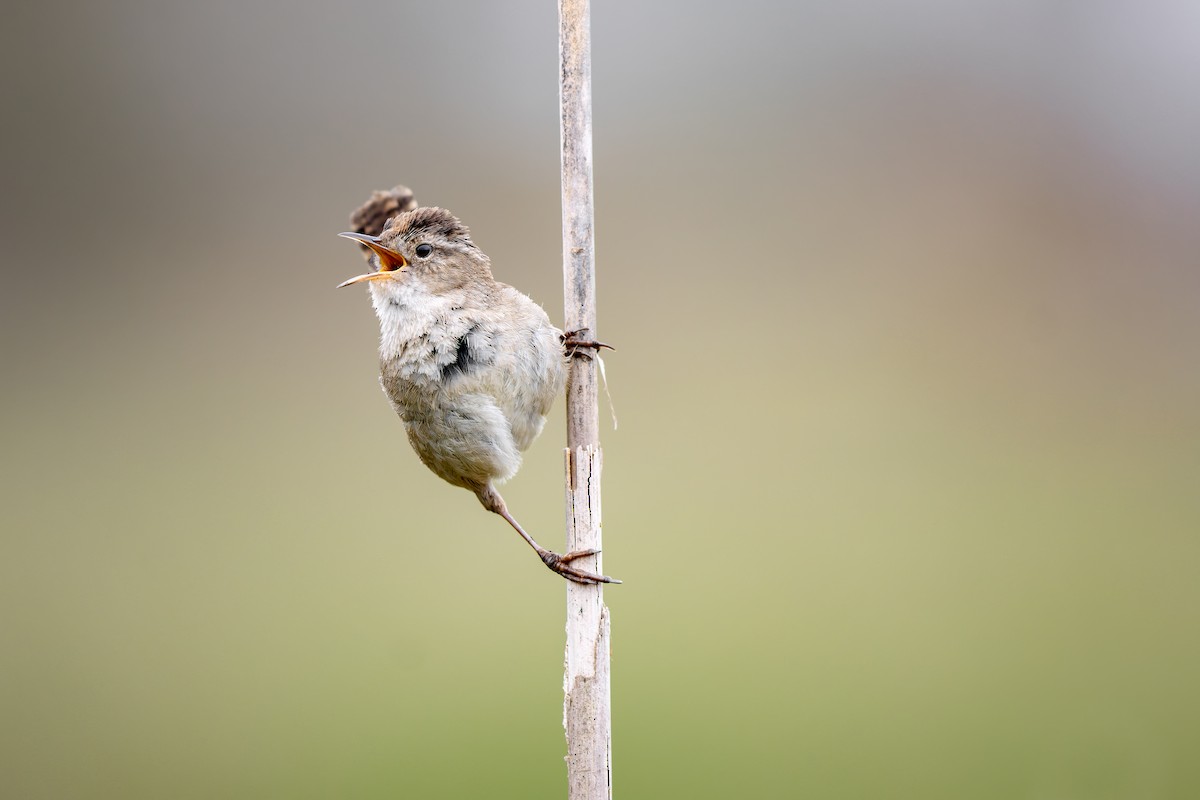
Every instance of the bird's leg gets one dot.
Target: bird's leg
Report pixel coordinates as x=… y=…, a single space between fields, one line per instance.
x=492 y=501
x=572 y=343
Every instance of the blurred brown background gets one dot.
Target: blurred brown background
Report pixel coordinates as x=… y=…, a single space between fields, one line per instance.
x=905 y=489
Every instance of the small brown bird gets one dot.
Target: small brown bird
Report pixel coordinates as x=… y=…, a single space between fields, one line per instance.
x=471 y=365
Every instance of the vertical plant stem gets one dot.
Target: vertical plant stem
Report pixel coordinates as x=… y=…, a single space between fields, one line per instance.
x=586 y=708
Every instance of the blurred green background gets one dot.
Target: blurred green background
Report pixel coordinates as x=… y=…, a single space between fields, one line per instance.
x=906 y=489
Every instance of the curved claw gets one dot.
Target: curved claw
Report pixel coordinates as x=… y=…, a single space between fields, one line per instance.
x=572 y=344
x=558 y=564
x=574 y=554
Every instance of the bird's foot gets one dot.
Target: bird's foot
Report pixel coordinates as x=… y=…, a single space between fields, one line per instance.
x=561 y=565
x=575 y=345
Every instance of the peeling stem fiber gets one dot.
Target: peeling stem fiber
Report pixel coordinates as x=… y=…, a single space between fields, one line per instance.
x=586 y=709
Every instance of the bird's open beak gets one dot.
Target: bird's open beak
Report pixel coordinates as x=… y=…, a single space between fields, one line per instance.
x=389 y=260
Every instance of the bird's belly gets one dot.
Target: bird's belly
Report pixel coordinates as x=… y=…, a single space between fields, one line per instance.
x=512 y=397
x=466 y=440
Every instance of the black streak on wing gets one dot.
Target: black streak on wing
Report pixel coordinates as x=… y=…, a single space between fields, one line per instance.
x=462 y=356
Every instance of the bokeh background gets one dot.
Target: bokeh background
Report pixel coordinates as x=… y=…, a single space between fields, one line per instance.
x=906 y=487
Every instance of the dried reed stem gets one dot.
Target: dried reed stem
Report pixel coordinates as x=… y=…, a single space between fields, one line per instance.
x=587 y=713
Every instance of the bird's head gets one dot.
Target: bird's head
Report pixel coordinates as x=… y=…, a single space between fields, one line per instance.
x=427 y=244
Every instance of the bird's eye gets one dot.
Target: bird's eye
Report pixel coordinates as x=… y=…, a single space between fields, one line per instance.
x=423 y=250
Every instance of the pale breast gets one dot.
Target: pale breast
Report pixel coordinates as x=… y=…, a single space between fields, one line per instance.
x=438 y=353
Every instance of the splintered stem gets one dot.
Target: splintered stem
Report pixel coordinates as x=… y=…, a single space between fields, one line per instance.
x=587 y=707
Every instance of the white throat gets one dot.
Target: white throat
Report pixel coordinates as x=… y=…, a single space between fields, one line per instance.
x=407 y=310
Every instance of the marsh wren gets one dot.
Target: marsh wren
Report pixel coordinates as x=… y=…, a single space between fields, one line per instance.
x=471 y=365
